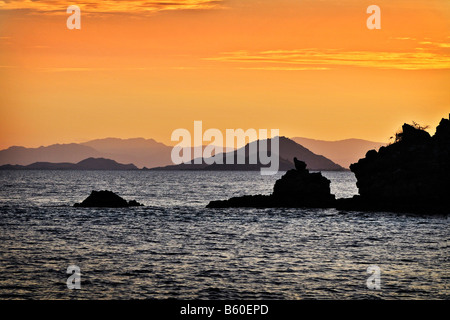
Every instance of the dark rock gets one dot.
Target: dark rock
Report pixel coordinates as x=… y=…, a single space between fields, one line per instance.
x=256 y=201
x=413 y=135
x=297 y=188
x=300 y=188
x=411 y=175
x=106 y=199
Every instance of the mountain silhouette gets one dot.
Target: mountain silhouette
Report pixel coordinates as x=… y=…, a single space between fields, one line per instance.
x=56 y=153
x=86 y=164
x=343 y=152
x=288 y=149
x=152 y=154
x=139 y=151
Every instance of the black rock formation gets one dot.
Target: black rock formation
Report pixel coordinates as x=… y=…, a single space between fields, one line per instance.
x=106 y=199
x=410 y=175
x=300 y=188
x=297 y=188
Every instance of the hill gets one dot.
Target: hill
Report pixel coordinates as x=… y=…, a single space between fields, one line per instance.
x=56 y=153
x=87 y=164
x=343 y=152
x=139 y=151
x=288 y=149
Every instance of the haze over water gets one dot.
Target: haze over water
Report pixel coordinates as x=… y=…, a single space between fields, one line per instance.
x=175 y=248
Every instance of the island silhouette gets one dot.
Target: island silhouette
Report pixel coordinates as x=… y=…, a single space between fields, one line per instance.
x=287 y=150
x=148 y=153
x=106 y=199
x=86 y=164
x=343 y=152
x=410 y=175
x=297 y=188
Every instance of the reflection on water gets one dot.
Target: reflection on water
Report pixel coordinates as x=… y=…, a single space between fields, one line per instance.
x=175 y=248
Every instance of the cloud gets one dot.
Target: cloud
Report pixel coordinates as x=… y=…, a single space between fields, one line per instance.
x=87 y=69
x=431 y=44
x=283 y=68
x=62 y=69
x=108 y=6
x=329 y=58
x=403 y=38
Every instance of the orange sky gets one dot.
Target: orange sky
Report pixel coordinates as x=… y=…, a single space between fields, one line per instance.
x=143 y=69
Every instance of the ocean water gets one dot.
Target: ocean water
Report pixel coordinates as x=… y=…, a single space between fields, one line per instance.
x=176 y=248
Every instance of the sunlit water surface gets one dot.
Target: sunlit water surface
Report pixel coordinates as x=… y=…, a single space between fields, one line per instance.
x=175 y=248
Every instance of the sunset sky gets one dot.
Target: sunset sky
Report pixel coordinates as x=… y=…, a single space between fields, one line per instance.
x=310 y=68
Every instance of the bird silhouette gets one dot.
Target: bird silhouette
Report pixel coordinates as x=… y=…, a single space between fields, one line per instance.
x=299 y=165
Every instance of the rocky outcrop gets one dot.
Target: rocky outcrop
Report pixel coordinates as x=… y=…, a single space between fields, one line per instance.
x=106 y=199
x=300 y=188
x=410 y=175
x=297 y=188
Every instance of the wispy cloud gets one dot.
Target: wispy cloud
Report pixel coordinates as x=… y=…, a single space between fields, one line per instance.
x=329 y=58
x=87 y=69
x=285 y=68
x=108 y=6
x=64 y=69
x=403 y=38
x=435 y=44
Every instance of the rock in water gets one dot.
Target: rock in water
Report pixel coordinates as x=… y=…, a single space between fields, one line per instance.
x=300 y=188
x=297 y=188
x=410 y=175
x=106 y=199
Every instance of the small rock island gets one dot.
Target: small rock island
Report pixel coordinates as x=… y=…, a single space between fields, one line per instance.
x=410 y=175
x=297 y=188
x=106 y=199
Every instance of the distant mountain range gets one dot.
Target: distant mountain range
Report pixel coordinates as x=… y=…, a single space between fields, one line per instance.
x=288 y=149
x=87 y=164
x=318 y=154
x=141 y=152
x=342 y=152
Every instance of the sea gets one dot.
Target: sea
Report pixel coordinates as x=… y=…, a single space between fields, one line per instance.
x=174 y=247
